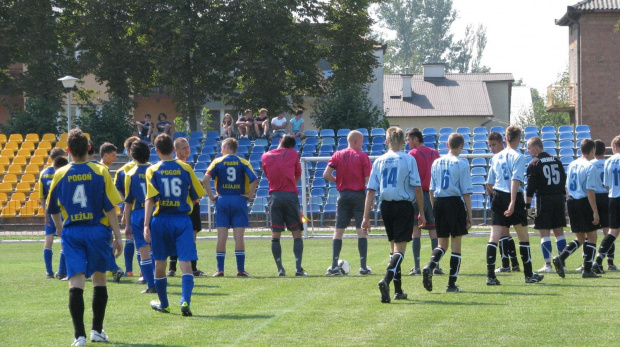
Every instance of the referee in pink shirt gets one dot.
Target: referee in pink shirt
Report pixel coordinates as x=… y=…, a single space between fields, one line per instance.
x=353 y=167
x=283 y=171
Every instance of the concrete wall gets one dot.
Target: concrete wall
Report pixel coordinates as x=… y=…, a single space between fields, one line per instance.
x=499 y=95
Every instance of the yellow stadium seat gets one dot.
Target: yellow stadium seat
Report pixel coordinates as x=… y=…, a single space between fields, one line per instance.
x=33 y=169
x=27 y=145
x=14 y=203
x=40 y=153
x=63 y=137
x=23 y=187
x=34 y=196
x=18 y=196
x=49 y=137
x=2 y=169
x=28 y=177
x=32 y=138
x=9 y=212
x=45 y=145
x=20 y=160
x=39 y=161
x=2 y=139
x=87 y=135
x=16 y=138
x=29 y=209
x=41 y=212
x=6 y=187
x=8 y=153
x=3 y=198
x=10 y=178
x=15 y=169
x=14 y=146
x=5 y=161
x=62 y=144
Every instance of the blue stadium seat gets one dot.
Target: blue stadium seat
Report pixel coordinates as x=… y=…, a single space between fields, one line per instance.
x=479 y=162
x=255 y=157
x=565 y=129
x=208 y=150
x=317 y=192
x=201 y=166
x=567 y=152
x=262 y=193
x=446 y=131
x=329 y=208
x=479 y=151
x=153 y=159
x=194 y=143
x=308 y=149
x=531 y=130
x=245 y=142
x=210 y=142
x=378 y=140
x=549 y=137
x=480 y=131
x=552 y=152
x=319 y=183
x=582 y=136
x=567 y=144
x=179 y=134
x=549 y=145
x=430 y=140
x=204 y=209
x=258 y=149
x=312 y=141
x=327 y=133
x=326 y=148
x=566 y=160
x=480 y=138
x=203 y=158
x=313 y=209
x=342 y=141
x=243 y=150
x=443 y=138
x=442 y=145
x=429 y=131
x=478 y=180
x=256 y=166
x=467 y=139
x=377 y=132
x=318 y=173
x=529 y=136
x=258 y=209
x=480 y=146
x=582 y=128
x=261 y=142
x=272 y=147
x=463 y=130
x=498 y=129
x=478 y=171
x=378 y=148
x=547 y=129
x=343 y=132
x=196 y=135
x=263 y=184
x=376 y=153
x=328 y=141
x=200 y=174
x=364 y=131
x=311 y=133
x=213 y=135
x=478 y=188
x=566 y=136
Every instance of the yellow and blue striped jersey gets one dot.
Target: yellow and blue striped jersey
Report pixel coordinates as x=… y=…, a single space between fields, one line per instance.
x=82 y=192
x=45 y=181
x=174 y=186
x=232 y=175
x=135 y=186
x=119 y=177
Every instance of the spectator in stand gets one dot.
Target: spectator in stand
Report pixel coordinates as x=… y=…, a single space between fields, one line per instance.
x=245 y=124
x=145 y=128
x=296 y=125
x=261 y=124
x=163 y=126
x=228 y=127
x=279 y=125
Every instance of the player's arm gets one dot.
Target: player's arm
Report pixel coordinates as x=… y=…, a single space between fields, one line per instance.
x=592 y=201
x=467 y=198
x=250 y=194
x=127 y=218
x=207 y=186
x=431 y=195
x=368 y=205
x=57 y=222
x=531 y=184
x=514 y=189
x=327 y=175
x=419 y=197
x=116 y=244
x=148 y=213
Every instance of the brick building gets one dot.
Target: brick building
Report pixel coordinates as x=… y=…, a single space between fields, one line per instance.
x=594 y=67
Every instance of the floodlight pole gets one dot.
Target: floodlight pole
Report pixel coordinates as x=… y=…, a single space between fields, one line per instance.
x=68 y=82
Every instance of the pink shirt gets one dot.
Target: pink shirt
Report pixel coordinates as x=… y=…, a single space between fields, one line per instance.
x=353 y=167
x=282 y=167
x=424 y=156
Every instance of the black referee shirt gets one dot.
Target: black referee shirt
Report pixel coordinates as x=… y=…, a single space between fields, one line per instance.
x=545 y=176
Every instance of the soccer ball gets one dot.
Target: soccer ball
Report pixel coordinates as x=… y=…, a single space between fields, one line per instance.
x=344 y=266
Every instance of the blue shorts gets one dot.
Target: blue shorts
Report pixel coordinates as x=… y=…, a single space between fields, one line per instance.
x=137 y=227
x=50 y=229
x=172 y=234
x=231 y=211
x=87 y=249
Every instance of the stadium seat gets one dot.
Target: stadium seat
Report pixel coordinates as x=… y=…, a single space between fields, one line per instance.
x=29 y=146
x=49 y=137
x=309 y=149
x=378 y=148
x=263 y=184
x=364 y=131
x=567 y=152
x=549 y=145
x=15 y=169
x=578 y=128
x=245 y=142
x=3 y=198
x=480 y=146
x=213 y=135
x=257 y=157
x=203 y=158
x=243 y=150
x=312 y=141
x=446 y=131
x=28 y=177
x=566 y=160
x=11 y=145
x=443 y=138
x=32 y=169
x=478 y=189
x=23 y=187
x=9 y=212
x=311 y=133
x=20 y=160
x=478 y=180
x=580 y=136
x=6 y=187
x=16 y=138
x=567 y=144
x=480 y=131
x=262 y=193
x=62 y=144
x=565 y=129
x=31 y=137
x=429 y=131
x=498 y=129
x=480 y=138
x=529 y=136
x=201 y=166
x=379 y=140
x=478 y=171
x=327 y=133
x=313 y=209
x=479 y=162
x=196 y=135
x=549 y=137
x=430 y=140
x=343 y=132
x=319 y=183
x=258 y=209
x=3 y=139
x=566 y=136
x=328 y=141
x=531 y=130
x=342 y=141
x=463 y=130
x=442 y=151
x=377 y=132
x=548 y=129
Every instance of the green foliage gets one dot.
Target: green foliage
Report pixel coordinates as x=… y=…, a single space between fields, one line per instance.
x=207 y=120
x=346 y=107
x=40 y=116
x=538 y=115
x=181 y=124
x=112 y=121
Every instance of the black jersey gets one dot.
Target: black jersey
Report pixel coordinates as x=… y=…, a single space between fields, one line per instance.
x=545 y=176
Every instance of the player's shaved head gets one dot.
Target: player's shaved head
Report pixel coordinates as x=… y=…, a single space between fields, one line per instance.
x=287 y=142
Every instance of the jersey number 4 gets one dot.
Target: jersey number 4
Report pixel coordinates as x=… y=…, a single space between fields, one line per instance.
x=79 y=196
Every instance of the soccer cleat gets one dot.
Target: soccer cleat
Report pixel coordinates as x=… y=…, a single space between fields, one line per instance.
x=129 y=274
x=534 y=278
x=333 y=272
x=185 y=311
x=580 y=268
x=117 y=275
x=281 y=273
x=49 y=275
x=80 y=341
x=516 y=269
x=150 y=290
x=589 y=274
x=60 y=276
x=301 y=272
x=596 y=268
x=559 y=266
x=98 y=336
x=427 y=279
x=155 y=305
x=438 y=271
x=218 y=274
x=453 y=289
x=492 y=281
x=612 y=267
x=400 y=296
x=415 y=272
x=243 y=274
x=365 y=271
x=171 y=273
x=141 y=280
x=384 y=288
x=503 y=269
x=546 y=268
x=199 y=273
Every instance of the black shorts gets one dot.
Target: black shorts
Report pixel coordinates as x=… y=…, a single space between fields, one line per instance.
x=350 y=204
x=614 y=213
x=499 y=205
x=195 y=217
x=602 y=205
x=428 y=212
x=550 y=213
x=450 y=216
x=398 y=220
x=284 y=211
x=580 y=215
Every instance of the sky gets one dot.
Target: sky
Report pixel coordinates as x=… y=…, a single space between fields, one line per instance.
x=522 y=37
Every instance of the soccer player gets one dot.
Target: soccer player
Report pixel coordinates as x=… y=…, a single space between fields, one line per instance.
x=611 y=181
x=171 y=188
x=395 y=176
x=282 y=168
x=182 y=149
x=84 y=193
x=582 y=210
x=424 y=157
x=135 y=189
x=45 y=180
x=235 y=183
x=602 y=203
x=450 y=181
x=546 y=178
x=119 y=183
x=353 y=166
x=508 y=205
x=107 y=152
x=507 y=248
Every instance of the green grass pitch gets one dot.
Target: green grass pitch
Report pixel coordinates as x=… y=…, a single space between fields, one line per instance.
x=266 y=310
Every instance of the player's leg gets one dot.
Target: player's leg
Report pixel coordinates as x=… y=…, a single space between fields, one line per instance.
x=512 y=253
x=277 y=227
x=298 y=251
x=525 y=251
x=436 y=255
x=545 y=248
x=62 y=265
x=276 y=251
x=416 y=247
x=455 y=264
x=76 y=304
x=257 y=129
x=238 y=234
x=336 y=247
x=491 y=254
x=606 y=245
x=172 y=270
x=398 y=217
x=560 y=239
x=47 y=255
x=292 y=219
x=589 y=251
x=220 y=251
x=196 y=226
x=128 y=253
x=432 y=234
x=162 y=247
x=503 y=250
x=344 y=213
x=99 y=304
x=362 y=247
x=186 y=250
x=147 y=268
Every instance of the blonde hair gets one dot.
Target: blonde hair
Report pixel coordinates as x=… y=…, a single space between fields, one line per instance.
x=396 y=138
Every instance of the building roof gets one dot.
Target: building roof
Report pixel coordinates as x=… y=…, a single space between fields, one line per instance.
x=588 y=6
x=454 y=95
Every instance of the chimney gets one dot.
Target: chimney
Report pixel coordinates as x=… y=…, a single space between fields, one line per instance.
x=434 y=70
x=407 y=92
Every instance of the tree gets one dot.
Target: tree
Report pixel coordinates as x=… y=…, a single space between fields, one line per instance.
x=538 y=115
x=346 y=107
x=111 y=122
x=39 y=116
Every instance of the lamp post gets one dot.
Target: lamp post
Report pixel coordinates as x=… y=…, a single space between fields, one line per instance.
x=68 y=82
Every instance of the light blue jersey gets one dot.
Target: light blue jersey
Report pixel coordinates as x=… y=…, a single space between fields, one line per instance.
x=599 y=167
x=612 y=175
x=581 y=178
x=505 y=167
x=450 y=176
x=394 y=175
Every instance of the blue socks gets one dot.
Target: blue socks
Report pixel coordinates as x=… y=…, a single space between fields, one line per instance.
x=128 y=252
x=240 y=255
x=187 y=285
x=147 y=272
x=560 y=243
x=545 y=247
x=220 y=257
x=47 y=257
x=161 y=284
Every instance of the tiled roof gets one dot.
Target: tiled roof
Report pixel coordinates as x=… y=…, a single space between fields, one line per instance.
x=454 y=95
x=597 y=5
